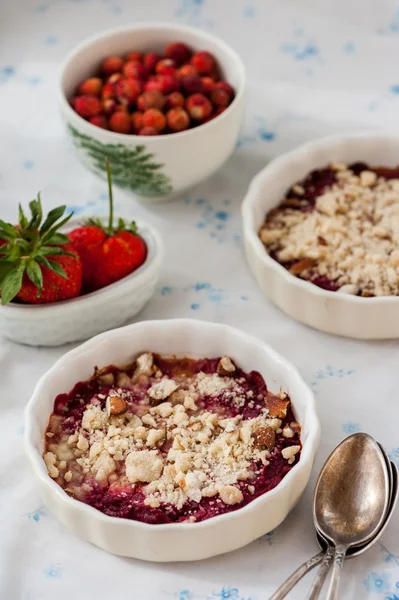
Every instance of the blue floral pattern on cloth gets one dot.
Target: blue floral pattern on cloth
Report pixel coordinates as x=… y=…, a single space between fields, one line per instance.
x=216 y=221
x=226 y=593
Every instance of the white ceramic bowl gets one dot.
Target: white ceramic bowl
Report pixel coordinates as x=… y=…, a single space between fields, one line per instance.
x=178 y=541
x=338 y=313
x=184 y=158
x=85 y=316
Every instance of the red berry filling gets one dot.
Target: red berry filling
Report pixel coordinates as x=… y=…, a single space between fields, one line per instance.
x=170 y=440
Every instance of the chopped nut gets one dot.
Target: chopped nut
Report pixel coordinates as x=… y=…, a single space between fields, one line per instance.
x=264 y=437
x=68 y=476
x=290 y=452
x=288 y=432
x=155 y=436
x=367 y=178
x=276 y=405
x=116 y=405
x=144 y=365
x=162 y=390
x=226 y=366
x=302 y=265
x=144 y=465
x=230 y=494
x=50 y=460
x=123 y=380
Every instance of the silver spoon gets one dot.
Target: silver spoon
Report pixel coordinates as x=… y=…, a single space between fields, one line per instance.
x=351 y=498
x=357 y=550
x=354 y=550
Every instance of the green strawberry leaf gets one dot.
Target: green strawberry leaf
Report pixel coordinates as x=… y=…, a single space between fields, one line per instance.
x=8 y=229
x=52 y=217
x=34 y=273
x=5 y=267
x=53 y=251
x=58 y=239
x=5 y=236
x=95 y=222
x=49 y=234
x=23 y=221
x=54 y=266
x=12 y=283
x=14 y=253
x=37 y=213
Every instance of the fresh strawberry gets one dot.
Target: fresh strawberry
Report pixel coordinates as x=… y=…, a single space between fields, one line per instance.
x=38 y=264
x=107 y=254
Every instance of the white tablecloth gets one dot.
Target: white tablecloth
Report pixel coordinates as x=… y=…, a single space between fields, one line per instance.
x=313 y=68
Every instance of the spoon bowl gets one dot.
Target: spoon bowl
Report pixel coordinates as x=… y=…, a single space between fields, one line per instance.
x=357 y=550
x=352 y=492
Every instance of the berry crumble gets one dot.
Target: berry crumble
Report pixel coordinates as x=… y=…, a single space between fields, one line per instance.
x=339 y=229
x=171 y=439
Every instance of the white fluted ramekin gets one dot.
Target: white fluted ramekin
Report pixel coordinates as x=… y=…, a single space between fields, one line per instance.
x=176 y=541
x=58 y=323
x=333 y=312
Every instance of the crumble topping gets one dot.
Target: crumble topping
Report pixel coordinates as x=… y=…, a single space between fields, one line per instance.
x=346 y=237
x=176 y=439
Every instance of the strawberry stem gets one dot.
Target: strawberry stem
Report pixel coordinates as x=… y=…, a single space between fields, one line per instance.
x=111 y=199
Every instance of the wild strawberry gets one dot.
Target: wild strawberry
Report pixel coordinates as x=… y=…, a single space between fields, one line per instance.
x=204 y=62
x=177 y=119
x=87 y=106
x=138 y=56
x=198 y=107
x=174 y=100
x=135 y=69
x=187 y=70
x=38 y=264
x=166 y=66
x=150 y=99
x=91 y=87
x=99 y=121
x=114 y=78
x=108 y=91
x=150 y=60
x=192 y=84
x=120 y=122
x=209 y=85
x=109 y=106
x=178 y=51
x=108 y=254
x=222 y=94
x=128 y=89
x=137 y=121
x=154 y=118
x=148 y=131
x=165 y=84
x=112 y=64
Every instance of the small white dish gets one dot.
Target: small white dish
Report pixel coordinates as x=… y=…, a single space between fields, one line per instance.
x=333 y=312
x=176 y=541
x=79 y=318
x=184 y=158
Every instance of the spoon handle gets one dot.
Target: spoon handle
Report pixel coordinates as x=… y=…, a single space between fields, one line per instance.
x=322 y=574
x=339 y=557
x=297 y=575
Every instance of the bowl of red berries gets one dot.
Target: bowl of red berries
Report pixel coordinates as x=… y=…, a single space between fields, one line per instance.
x=163 y=102
x=62 y=280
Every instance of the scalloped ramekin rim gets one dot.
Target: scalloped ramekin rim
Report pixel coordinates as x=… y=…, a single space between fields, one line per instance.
x=155 y=247
x=162 y=26
x=307 y=454
x=251 y=232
